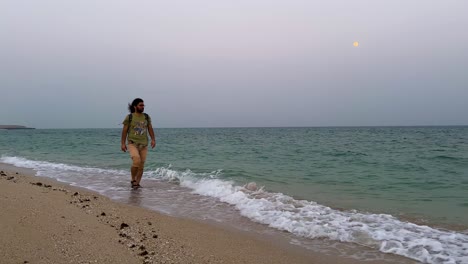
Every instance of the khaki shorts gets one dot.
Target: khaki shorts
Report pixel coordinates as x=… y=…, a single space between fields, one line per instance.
x=138 y=154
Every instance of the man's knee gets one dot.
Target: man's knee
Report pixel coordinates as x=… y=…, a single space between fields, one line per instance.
x=136 y=162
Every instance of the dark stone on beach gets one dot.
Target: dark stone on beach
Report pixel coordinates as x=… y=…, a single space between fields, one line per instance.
x=149 y=223
x=17 y=173
x=123 y=225
x=63 y=216
x=75 y=194
x=131 y=245
x=10 y=178
x=143 y=253
x=47 y=186
x=155 y=236
x=25 y=261
x=142 y=247
x=103 y=214
x=39 y=183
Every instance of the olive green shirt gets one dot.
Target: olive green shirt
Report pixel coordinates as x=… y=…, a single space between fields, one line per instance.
x=138 y=129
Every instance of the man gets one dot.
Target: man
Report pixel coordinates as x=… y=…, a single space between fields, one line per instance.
x=137 y=126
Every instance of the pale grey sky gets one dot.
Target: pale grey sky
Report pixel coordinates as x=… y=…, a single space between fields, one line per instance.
x=216 y=63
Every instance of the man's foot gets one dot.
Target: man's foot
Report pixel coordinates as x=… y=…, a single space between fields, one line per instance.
x=134 y=184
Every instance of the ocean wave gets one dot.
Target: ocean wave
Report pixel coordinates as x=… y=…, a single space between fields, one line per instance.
x=311 y=220
x=300 y=217
x=446 y=157
x=50 y=169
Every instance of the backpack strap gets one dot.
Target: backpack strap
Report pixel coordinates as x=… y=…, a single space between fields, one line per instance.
x=129 y=122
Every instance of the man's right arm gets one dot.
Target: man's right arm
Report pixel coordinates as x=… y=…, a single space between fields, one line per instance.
x=123 y=146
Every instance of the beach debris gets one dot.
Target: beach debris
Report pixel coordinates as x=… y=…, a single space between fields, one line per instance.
x=123 y=225
x=10 y=178
x=84 y=200
x=103 y=214
x=37 y=183
x=75 y=194
x=251 y=186
x=155 y=236
x=149 y=223
x=2 y=173
x=143 y=253
x=47 y=185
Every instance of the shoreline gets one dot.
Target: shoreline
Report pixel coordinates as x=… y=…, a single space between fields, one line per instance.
x=52 y=222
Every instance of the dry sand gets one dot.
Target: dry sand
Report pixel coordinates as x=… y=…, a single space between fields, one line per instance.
x=45 y=221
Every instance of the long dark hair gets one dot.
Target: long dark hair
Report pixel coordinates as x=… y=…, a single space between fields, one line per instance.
x=136 y=101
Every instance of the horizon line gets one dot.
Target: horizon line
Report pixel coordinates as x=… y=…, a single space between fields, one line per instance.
x=331 y=126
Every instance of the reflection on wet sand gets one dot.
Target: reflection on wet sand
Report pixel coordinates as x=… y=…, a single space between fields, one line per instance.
x=135 y=197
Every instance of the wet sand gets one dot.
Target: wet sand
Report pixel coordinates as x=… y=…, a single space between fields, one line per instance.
x=45 y=221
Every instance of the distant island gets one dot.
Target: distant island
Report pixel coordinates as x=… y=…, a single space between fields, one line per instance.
x=14 y=127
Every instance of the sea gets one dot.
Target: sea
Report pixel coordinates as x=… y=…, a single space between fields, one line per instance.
x=371 y=193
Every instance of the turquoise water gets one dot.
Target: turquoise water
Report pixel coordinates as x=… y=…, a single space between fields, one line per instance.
x=416 y=174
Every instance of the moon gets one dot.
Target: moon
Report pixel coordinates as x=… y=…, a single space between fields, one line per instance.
x=355 y=43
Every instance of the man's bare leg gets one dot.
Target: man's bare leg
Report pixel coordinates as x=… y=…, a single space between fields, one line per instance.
x=134 y=172
x=139 y=174
x=143 y=152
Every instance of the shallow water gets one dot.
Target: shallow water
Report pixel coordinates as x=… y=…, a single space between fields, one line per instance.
x=358 y=185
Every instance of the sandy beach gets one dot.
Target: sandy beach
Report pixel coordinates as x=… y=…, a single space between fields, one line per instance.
x=45 y=221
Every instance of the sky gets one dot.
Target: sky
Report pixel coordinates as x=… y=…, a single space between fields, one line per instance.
x=243 y=63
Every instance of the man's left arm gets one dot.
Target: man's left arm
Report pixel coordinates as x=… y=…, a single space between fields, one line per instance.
x=151 y=133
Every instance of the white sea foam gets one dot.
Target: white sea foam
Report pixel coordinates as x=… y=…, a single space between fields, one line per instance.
x=311 y=220
x=58 y=170
x=300 y=217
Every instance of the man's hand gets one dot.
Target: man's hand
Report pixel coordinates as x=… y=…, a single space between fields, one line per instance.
x=153 y=143
x=123 y=147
